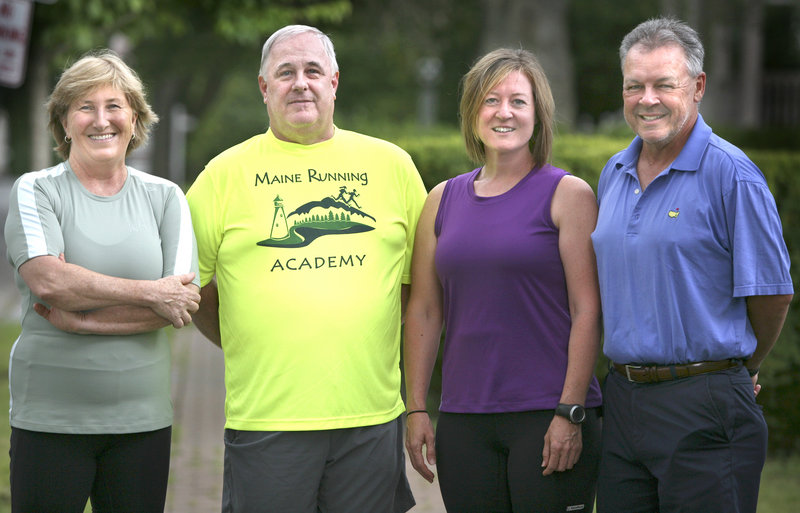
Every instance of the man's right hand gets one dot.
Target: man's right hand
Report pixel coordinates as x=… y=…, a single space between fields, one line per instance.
x=419 y=432
x=176 y=299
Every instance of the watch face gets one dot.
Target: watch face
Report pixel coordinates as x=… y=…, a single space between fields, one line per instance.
x=574 y=413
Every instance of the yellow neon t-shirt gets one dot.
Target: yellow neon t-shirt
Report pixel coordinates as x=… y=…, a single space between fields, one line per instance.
x=309 y=244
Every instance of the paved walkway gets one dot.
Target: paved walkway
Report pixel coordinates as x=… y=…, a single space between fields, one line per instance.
x=198 y=390
x=198 y=394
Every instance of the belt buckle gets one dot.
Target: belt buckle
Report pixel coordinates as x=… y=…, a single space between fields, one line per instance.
x=628 y=371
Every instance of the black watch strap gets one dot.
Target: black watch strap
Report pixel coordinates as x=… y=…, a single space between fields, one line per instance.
x=575 y=413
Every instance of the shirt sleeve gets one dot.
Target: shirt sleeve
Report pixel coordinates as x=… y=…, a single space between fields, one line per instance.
x=204 y=207
x=32 y=226
x=178 y=242
x=415 y=199
x=760 y=257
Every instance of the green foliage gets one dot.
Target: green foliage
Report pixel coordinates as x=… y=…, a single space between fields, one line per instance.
x=780 y=371
x=8 y=333
x=441 y=155
x=597 y=66
x=764 y=138
x=184 y=50
x=74 y=26
x=584 y=156
x=779 y=491
x=226 y=122
x=379 y=49
x=252 y=19
x=70 y=27
x=781 y=49
x=437 y=156
x=188 y=52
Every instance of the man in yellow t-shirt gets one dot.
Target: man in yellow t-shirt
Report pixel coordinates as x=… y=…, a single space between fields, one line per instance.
x=304 y=237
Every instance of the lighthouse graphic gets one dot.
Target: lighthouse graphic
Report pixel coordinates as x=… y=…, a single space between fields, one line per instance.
x=280 y=228
x=315 y=219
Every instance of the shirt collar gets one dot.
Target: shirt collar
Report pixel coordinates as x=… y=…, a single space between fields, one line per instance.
x=688 y=159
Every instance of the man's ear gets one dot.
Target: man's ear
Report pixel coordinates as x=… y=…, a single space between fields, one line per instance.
x=335 y=83
x=262 y=86
x=699 y=87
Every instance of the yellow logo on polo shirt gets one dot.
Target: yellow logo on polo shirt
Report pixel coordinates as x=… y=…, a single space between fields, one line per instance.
x=674 y=213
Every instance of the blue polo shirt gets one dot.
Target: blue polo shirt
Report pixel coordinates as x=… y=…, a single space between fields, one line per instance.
x=677 y=260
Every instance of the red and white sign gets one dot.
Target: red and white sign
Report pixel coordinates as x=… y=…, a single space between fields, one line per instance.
x=15 y=24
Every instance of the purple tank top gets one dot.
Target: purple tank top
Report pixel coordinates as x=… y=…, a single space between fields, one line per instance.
x=506 y=314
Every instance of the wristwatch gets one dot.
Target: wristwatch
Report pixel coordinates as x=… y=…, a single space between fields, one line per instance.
x=575 y=413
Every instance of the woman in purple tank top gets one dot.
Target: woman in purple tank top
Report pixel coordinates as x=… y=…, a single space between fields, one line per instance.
x=503 y=258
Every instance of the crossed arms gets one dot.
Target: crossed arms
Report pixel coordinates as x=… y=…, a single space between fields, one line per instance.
x=87 y=302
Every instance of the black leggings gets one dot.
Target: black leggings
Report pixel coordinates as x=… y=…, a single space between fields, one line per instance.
x=53 y=472
x=493 y=463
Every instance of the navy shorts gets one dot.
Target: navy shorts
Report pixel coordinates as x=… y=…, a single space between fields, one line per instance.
x=695 y=444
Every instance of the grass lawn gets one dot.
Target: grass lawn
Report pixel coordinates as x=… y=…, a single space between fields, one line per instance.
x=779 y=484
x=8 y=334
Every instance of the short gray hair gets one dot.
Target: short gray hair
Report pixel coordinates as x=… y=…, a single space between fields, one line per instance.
x=657 y=32
x=295 y=30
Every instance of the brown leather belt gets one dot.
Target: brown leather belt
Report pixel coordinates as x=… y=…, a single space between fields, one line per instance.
x=657 y=373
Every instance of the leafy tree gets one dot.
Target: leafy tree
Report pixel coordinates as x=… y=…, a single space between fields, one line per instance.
x=596 y=57
x=162 y=40
x=203 y=54
x=541 y=27
x=381 y=46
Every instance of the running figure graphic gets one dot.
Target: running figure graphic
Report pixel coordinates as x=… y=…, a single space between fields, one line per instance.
x=352 y=199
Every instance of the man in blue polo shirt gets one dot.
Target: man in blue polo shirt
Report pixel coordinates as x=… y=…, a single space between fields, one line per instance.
x=695 y=284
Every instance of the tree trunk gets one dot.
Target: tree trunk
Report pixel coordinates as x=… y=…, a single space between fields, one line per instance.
x=721 y=86
x=41 y=140
x=751 y=66
x=541 y=27
x=733 y=94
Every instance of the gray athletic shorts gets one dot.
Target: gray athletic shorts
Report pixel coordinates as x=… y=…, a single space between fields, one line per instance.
x=333 y=471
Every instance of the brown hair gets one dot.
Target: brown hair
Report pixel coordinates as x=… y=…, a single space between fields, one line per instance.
x=484 y=75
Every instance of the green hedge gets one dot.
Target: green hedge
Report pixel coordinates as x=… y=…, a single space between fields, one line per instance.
x=441 y=155
x=780 y=376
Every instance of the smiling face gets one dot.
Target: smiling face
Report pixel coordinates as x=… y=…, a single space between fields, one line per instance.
x=507 y=116
x=299 y=88
x=100 y=125
x=660 y=97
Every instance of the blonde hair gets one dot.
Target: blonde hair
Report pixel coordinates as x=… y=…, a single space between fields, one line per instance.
x=96 y=69
x=484 y=75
